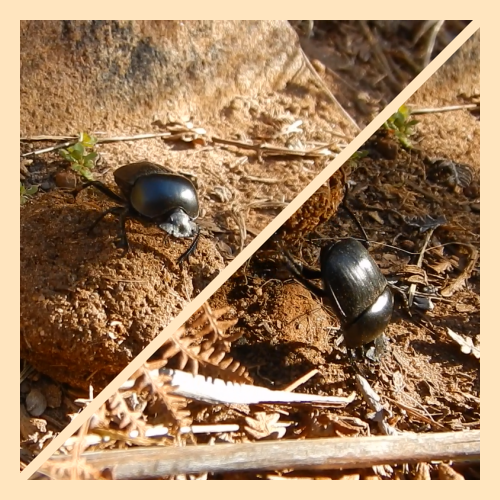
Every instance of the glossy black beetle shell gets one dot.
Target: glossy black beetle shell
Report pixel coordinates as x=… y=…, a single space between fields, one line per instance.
x=358 y=290
x=154 y=194
x=153 y=191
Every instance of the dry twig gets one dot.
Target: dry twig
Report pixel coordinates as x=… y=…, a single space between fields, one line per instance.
x=432 y=41
x=330 y=454
x=330 y=95
x=443 y=109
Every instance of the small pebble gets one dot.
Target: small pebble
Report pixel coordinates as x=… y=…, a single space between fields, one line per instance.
x=36 y=403
x=65 y=180
x=388 y=149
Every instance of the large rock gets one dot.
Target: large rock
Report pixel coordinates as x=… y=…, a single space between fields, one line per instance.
x=89 y=74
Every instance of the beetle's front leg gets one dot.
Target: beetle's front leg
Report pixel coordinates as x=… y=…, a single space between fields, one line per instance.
x=191 y=248
x=303 y=274
x=310 y=273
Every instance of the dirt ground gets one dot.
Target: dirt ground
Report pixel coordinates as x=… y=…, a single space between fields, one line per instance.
x=426 y=381
x=286 y=331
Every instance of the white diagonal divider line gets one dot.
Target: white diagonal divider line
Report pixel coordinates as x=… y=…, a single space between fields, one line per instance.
x=252 y=247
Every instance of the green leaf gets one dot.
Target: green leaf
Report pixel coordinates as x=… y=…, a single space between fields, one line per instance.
x=87 y=140
x=26 y=193
x=87 y=174
x=362 y=153
x=90 y=156
x=403 y=139
x=82 y=170
x=404 y=111
x=65 y=154
x=78 y=147
x=399 y=119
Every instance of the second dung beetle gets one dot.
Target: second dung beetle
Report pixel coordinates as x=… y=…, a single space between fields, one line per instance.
x=154 y=195
x=356 y=288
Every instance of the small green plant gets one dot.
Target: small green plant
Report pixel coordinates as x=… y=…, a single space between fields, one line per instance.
x=402 y=125
x=27 y=193
x=81 y=156
x=357 y=155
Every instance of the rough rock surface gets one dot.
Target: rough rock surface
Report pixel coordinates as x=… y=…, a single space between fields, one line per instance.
x=89 y=74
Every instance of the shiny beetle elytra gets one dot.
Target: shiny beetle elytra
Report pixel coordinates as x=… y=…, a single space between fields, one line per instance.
x=152 y=194
x=356 y=288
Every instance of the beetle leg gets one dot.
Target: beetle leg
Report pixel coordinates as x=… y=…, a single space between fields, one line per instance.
x=310 y=273
x=305 y=271
x=191 y=249
x=310 y=286
x=355 y=358
x=303 y=277
x=123 y=241
x=112 y=210
x=122 y=213
x=353 y=216
x=104 y=189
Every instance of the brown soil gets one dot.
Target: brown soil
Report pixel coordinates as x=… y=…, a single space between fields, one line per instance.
x=87 y=311
x=288 y=331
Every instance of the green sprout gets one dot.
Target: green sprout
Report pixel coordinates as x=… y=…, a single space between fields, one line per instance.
x=27 y=193
x=357 y=155
x=402 y=126
x=81 y=155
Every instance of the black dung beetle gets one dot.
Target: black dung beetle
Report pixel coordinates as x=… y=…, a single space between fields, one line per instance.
x=356 y=287
x=152 y=194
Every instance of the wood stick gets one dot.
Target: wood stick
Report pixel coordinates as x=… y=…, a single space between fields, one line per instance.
x=329 y=453
x=444 y=109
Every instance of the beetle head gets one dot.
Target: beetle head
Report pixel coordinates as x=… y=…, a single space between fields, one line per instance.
x=179 y=224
